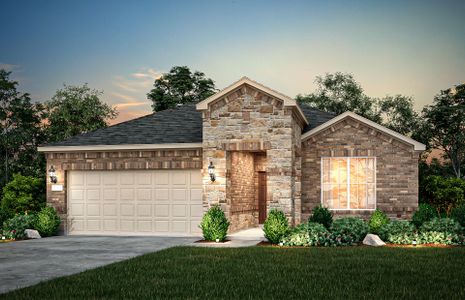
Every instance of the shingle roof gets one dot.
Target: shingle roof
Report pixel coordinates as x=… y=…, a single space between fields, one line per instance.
x=179 y=125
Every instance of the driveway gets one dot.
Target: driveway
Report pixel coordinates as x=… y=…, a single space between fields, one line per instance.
x=28 y=262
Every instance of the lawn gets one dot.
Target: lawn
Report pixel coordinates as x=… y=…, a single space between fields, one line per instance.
x=267 y=272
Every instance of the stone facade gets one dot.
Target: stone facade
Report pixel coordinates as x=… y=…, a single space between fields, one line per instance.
x=396 y=167
x=114 y=160
x=248 y=120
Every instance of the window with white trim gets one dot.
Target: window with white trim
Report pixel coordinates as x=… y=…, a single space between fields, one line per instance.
x=348 y=182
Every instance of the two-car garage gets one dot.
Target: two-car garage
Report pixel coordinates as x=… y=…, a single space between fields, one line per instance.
x=134 y=202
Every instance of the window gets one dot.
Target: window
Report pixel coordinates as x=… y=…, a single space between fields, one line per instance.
x=348 y=182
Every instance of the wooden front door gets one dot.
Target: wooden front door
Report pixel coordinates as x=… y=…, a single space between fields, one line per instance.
x=261 y=197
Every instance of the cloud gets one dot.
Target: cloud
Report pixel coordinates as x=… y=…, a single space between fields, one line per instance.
x=9 y=67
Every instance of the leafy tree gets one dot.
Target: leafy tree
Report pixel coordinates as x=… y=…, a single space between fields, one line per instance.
x=76 y=109
x=444 y=194
x=444 y=125
x=21 y=131
x=180 y=86
x=339 y=92
x=22 y=194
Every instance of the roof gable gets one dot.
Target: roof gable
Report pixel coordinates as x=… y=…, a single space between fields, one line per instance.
x=287 y=101
x=417 y=145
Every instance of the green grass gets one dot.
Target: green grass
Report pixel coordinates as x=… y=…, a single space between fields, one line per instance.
x=266 y=272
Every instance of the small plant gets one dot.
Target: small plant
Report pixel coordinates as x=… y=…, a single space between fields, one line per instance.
x=322 y=215
x=276 y=226
x=398 y=232
x=214 y=224
x=458 y=214
x=297 y=236
x=348 y=231
x=424 y=213
x=318 y=235
x=47 y=221
x=445 y=225
x=377 y=220
x=16 y=226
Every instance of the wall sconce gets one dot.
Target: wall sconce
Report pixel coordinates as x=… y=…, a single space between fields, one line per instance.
x=52 y=175
x=211 y=171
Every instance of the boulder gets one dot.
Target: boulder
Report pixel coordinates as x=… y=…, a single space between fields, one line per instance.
x=32 y=234
x=373 y=240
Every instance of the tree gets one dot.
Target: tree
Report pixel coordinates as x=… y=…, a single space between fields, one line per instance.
x=180 y=86
x=339 y=92
x=76 y=109
x=444 y=125
x=21 y=131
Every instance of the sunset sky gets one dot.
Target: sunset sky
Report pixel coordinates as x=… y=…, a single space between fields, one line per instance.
x=413 y=48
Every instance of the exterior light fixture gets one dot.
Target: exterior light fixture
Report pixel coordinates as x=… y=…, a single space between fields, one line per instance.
x=52 y=175
x=414 y=243
x=211 y=172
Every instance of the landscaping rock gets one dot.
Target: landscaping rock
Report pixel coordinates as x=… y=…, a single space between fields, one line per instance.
x=373 y=240
x=32 y=234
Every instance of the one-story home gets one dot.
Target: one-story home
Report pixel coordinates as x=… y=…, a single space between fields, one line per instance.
x=247 y=148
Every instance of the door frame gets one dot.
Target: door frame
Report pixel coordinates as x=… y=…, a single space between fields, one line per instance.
x=262 y=196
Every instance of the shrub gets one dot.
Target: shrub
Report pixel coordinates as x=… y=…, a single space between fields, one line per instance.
x=297 y=236
x=424 y=213
x=398 y=232
x=4 y=215
x=276 y=226
x=47 y=221
x=214 y=224
x=445 y=225
x=444 y=193
x=318 y=235
x=377 y=219
x=458 y=214
x=322 y=215
x=348 y=231
x=435 y=237
x=22 y=194
x=15 y=226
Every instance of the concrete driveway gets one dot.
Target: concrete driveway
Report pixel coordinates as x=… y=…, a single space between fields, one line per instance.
x=28 y=262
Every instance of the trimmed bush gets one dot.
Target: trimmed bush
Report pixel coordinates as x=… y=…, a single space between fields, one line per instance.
x=322 y=215
x=14 y=227
x=297 y=236
x=424 y=213
x=348 y=231
x=377 y=220
x=458 y=214
x=47 y=221
x=214 y=224
x=23 y=194
x=398 y=232
x=445 y=225
x=318 y=235
x=276 y=226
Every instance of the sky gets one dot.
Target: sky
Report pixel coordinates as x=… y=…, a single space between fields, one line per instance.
x=414 y=48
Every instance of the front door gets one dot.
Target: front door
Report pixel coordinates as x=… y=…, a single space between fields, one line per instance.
x=261 y=197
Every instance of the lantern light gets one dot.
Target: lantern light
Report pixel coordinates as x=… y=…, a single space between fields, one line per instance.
x=211 y=171
x=52 y=175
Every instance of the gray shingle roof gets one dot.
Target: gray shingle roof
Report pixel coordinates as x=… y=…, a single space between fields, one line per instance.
x=179 y=125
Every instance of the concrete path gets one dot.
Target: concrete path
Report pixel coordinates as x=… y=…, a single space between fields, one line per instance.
x=244 y=238
x=28 y=262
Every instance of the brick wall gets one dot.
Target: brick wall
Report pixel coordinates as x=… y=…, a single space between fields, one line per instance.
x=114 y=160
x=396 y=167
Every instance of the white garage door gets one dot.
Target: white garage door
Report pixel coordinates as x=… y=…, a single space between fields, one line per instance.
x=161 y=202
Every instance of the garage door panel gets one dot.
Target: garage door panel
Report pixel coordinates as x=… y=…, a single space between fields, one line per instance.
x=127 y=210
x=135 y=202
x=144 y=210
x=110 y=210
x=162 y=210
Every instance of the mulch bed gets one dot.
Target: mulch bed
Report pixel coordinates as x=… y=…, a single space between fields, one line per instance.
x=268 y=244
x=211 y=242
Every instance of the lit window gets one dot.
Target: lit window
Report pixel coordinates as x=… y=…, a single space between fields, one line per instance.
x=348 y=182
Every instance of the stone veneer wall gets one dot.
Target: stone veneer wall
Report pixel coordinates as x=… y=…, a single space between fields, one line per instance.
x=114 y=160
x=396 y=167
x=249 y=120
x=241 y=190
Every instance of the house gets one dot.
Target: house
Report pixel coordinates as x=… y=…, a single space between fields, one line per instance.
x=248 y=148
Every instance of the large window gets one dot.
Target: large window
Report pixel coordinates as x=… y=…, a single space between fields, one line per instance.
x=348 y=182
